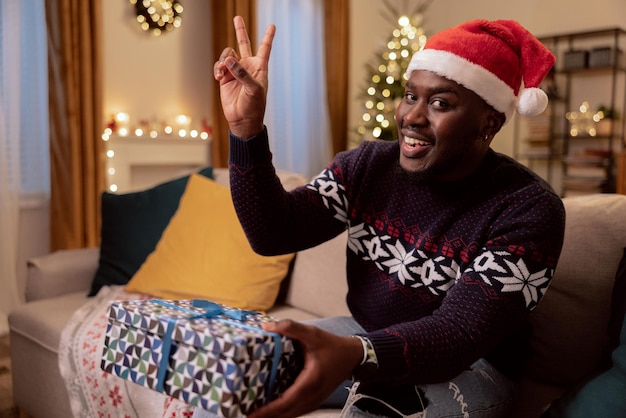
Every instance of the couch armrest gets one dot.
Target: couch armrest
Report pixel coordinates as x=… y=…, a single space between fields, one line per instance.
x=61 y=272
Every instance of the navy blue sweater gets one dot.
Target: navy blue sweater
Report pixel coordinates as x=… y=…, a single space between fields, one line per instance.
x=439 y=274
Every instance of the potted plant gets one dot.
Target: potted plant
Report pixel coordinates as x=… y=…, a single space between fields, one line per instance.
x=604 y=118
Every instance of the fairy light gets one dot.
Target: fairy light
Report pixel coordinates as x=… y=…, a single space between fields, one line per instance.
x=119 y=126
x=158 y=16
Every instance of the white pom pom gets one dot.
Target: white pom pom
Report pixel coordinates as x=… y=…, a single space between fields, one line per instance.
x=532 y=101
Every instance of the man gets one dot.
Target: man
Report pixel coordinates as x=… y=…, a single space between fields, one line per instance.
x=450 y=244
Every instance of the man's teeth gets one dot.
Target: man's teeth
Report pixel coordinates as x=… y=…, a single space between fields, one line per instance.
x=413 y=141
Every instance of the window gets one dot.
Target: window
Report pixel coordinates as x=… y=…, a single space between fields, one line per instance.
x=24 y=98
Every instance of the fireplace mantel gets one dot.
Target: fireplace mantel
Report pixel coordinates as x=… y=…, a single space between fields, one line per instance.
x=137 y=163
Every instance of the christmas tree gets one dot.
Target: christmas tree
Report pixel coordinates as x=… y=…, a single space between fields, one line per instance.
x=385 y=82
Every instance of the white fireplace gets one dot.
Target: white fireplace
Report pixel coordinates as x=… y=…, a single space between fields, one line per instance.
x=137 y=163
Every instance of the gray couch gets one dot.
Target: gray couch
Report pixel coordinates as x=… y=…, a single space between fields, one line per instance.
x=570 y=324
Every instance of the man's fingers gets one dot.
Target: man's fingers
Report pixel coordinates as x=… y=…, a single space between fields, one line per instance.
x=218 y=67
x=238 y=71
x=245 y=46
x=292 y=329
x=243 y=40
x=266 y=44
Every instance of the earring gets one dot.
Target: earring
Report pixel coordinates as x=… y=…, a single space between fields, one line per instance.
x=486 y=138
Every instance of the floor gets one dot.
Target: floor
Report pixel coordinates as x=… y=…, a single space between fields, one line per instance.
x=7 y=408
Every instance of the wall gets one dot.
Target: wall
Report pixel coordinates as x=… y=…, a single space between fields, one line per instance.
x=158 y=77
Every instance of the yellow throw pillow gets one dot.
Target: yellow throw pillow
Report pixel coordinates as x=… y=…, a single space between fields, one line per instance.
x=204 y=254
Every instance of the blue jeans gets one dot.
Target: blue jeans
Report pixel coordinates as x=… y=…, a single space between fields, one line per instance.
x=479 y=392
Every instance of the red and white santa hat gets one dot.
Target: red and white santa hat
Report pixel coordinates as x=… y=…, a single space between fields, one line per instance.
x=493 y=59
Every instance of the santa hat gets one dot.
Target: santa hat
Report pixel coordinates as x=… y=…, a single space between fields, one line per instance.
x=491 y=58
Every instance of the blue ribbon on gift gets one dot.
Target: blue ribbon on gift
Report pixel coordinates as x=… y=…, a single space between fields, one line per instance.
x=211 y=311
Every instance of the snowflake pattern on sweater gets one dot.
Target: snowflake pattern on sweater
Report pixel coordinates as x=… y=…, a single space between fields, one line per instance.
x=413 y=267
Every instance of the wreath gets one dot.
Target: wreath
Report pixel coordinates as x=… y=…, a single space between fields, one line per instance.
x=158 y=15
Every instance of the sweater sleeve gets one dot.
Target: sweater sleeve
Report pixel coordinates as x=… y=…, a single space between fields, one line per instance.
x=275 y=221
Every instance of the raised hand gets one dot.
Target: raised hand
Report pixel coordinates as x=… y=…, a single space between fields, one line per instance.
x=243 y=81
x=328 y=360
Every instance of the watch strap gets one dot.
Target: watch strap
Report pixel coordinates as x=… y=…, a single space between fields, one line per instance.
x=369 y=363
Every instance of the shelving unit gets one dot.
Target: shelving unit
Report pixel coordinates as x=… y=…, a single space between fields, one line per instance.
x=579 y=156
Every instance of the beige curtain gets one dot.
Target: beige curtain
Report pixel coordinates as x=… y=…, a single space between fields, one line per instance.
x=337 y=15
x=223 y=12
x=75 y=98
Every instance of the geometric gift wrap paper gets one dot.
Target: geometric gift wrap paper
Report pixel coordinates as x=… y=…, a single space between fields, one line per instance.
x=206 y=354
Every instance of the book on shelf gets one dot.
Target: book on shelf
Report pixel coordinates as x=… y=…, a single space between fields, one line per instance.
x=586 y=172
x=584 y=184
x=539 y=127
x=543 y=151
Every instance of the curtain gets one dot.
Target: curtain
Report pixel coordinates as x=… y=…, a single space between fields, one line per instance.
x=223 y=33
x=75 y=99
x=336 y=51
x=9 y=164
x=337 y=42
x=297 y=115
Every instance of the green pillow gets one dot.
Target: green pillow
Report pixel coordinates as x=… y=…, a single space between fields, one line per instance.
x=132 y=224
x=605 y=395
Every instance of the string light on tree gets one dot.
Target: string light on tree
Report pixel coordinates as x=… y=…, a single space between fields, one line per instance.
x=385 y=83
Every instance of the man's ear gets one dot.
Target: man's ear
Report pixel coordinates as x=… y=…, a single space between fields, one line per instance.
x=495 y=122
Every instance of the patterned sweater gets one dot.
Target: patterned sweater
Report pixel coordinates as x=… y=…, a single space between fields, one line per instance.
x=439 y=275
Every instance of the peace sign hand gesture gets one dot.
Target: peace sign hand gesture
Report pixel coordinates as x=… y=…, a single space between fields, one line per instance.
x=243 y=81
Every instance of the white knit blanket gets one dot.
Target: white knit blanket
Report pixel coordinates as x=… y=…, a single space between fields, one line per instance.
x=94 y=393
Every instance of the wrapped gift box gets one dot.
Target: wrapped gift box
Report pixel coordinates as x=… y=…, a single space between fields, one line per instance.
x=206 y=354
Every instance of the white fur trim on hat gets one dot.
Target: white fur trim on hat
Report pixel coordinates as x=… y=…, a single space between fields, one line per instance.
x=472 y=76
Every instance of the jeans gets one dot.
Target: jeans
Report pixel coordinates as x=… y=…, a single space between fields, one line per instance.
x=479 y=392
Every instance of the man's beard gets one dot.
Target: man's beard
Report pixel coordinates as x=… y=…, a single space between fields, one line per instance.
x=416 y=178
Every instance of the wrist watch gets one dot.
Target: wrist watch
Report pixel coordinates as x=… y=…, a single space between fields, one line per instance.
x=369 y=364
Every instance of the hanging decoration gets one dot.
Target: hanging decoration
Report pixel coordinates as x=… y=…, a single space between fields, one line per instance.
x=158 y=16
x=385 y=82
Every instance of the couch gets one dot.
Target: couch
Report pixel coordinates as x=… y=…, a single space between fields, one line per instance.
x=571 y=339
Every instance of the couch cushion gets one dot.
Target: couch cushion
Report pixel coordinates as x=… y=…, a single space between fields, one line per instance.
x=318 y=282
x=62 y=272
x=570 y=324
x=132 y=224
x=42 y=321
x=205 y=254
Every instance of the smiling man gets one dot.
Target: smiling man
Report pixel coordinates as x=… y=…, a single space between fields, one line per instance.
x=450 y=244
x=440 y=126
